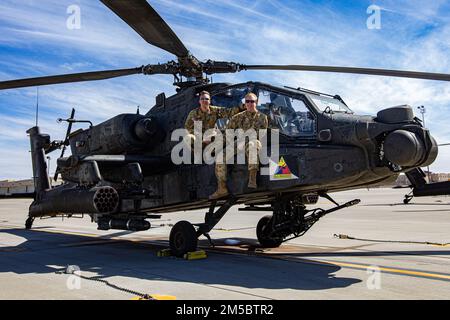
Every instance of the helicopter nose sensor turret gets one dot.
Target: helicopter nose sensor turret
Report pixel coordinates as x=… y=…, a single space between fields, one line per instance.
x=407 y=149
x=406 y=143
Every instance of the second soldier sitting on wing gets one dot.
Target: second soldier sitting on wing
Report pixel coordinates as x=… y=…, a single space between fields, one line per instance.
x=251 y=118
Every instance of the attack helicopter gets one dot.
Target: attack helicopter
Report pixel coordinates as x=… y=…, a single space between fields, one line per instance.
x=120 y=171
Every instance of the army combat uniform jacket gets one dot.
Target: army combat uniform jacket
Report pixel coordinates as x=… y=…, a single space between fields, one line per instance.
x=248 y=120
x=210 y=118
x=244 y=120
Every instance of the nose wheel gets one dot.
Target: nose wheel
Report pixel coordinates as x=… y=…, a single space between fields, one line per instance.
x=183 y=238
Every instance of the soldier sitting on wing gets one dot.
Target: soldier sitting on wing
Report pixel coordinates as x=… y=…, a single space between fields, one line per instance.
x=251 y=118
x=208 y=115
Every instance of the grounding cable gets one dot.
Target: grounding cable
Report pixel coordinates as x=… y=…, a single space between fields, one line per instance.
x=344 y=236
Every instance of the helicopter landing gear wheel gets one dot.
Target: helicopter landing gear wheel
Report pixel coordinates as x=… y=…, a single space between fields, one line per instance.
x=262 y=231
x=183 y=238
x=29 y=223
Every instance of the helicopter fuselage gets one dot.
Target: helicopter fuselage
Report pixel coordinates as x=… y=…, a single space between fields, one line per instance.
x=324 y=145
x=122 y=171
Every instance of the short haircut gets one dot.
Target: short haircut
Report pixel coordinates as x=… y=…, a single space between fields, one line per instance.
x=251 y=94
x=203 y=93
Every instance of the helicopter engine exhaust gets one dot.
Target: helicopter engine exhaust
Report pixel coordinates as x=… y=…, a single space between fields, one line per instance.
x=125 y=133
x=74 y=200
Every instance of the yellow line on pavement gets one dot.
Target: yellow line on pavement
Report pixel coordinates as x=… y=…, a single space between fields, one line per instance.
x=386 y=269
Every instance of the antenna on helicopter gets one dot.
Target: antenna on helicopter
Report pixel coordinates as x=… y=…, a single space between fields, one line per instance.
x=37 y=105
x=70 y=121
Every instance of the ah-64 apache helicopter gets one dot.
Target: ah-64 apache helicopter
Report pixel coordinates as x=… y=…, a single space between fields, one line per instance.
x=120 y=171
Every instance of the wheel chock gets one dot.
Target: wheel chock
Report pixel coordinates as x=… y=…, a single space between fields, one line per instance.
x=195 y=255
x=163 y=297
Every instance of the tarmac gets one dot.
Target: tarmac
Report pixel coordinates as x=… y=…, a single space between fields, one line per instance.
x=404 y=254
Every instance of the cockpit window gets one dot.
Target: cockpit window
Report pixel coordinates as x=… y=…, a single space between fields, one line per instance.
x=230 y=98
x=290 y=115
x=329 y=104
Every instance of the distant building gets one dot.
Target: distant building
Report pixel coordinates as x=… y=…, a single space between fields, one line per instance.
x=11 y=187
x=19 y=187
x=439 y=177
x=403 y=180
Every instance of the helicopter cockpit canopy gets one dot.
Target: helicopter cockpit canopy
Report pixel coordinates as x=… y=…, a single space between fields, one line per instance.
x=329 y=104
x=285 y=112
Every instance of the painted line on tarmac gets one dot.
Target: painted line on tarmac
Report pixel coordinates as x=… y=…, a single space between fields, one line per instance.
x=320 y=262
x=408 y=272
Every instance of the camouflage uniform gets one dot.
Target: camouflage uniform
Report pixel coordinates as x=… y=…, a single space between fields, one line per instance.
x=244 y=120
x=208 y=119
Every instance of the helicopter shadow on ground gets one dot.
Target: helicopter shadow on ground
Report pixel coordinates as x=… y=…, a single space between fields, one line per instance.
x=44 y=253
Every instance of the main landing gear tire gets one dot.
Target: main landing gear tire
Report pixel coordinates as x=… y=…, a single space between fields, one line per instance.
x=183 y=238
x=261 y=234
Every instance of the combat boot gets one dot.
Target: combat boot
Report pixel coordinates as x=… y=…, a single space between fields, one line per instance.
x=221 y=192
x=252 y=178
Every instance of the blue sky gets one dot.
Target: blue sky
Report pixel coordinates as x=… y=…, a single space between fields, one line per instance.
x=34 y=41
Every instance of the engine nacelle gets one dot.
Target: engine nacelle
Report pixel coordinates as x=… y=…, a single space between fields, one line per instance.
x=125 y=133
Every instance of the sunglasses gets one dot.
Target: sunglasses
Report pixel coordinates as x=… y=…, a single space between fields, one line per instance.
x=250 y=101
x=204 y=99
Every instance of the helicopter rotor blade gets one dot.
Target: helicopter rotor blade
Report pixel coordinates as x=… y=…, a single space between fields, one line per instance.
x=366 y=71
x=65 y=78
x=444 y=144
x=140 y=16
